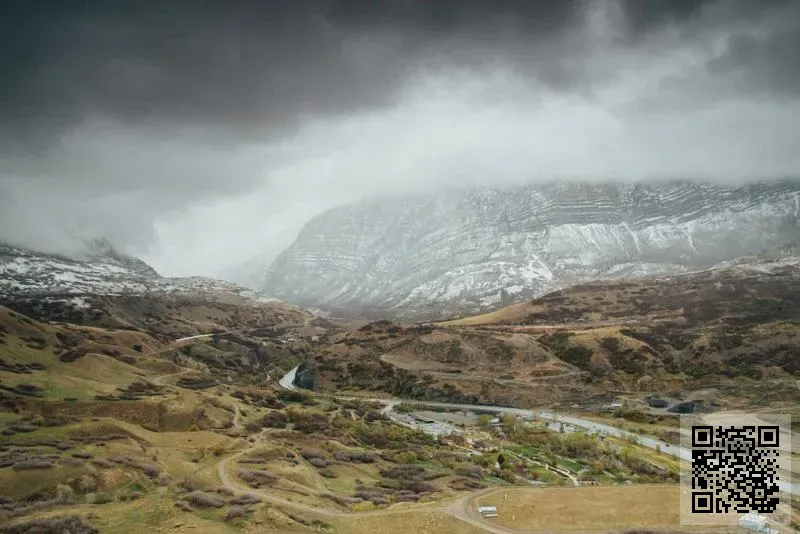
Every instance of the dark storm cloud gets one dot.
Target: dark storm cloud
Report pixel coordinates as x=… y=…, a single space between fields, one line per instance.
x=252 y=68
x=179 y=125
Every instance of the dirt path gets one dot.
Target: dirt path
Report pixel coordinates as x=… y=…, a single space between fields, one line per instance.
x=236 y=414
x=159 y=380
x=230 y=483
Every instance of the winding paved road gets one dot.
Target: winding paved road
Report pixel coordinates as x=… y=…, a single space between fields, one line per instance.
x=462 y=507
x=598 y=428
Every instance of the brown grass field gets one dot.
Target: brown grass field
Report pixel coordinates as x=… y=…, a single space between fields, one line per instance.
x=587 y=508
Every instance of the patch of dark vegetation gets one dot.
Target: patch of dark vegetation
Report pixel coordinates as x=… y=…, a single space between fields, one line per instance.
x=32 y=463
x=275 y=419
x=656 y=402
x=256 y=478
x=629 y=361
x=21 y=368
x=22 y=427
x=238 y=511
x=376 y=375
x=684 y=407
x=202 y=499
x=361 y=457
x=54 y=525
x=258 y=399
x=28 y=390
x=140 y=389
x=184 y=505
x=34 y=342
x=196 y=383
x=557 y=342
x=292 y=395
x=245 y=499
x=72 y=355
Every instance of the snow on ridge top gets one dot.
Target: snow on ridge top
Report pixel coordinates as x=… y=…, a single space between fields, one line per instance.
x=24 y=272
x=431 y=251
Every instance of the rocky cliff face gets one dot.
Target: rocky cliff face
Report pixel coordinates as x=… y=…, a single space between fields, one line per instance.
x=461 y=251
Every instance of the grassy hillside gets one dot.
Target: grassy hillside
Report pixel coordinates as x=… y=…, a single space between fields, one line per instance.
x=734 y=332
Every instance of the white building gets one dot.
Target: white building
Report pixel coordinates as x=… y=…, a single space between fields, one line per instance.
x=487 y=511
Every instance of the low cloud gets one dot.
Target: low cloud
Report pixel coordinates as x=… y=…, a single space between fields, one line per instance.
x=220 y=150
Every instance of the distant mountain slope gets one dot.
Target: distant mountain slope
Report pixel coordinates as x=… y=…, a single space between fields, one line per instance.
x=102 y=271
x=462 y=251
x=109 y=289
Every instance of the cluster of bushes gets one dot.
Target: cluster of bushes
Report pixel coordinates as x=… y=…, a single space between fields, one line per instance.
x=35 y=342
x=28 y=390
x=196 y=383
x=410 y=478
x=590 y=451
x=275 y=419
x=54 y=525
x=257 y=478
x=257 y=399
x=21 y=368
x=141 y=389
x=292 y=395
x=150 y=470
x=361 y=457
x=72 y=355
x=195 y=496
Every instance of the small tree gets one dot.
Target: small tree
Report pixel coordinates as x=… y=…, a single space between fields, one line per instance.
x=484 y=420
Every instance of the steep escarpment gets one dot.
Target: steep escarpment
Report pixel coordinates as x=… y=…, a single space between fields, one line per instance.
x=461 y=251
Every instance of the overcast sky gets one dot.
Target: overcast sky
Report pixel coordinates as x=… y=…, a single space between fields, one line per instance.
x=198 y=135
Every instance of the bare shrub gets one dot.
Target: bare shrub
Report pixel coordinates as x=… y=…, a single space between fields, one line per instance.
x=205 y=500
x=191 y=484
x=100 y=497
x=132 y=496
x=102 y=462
x=83 y=455
x=354 y=456
x=149 y=469
x=467 y=470
x=22 y=428
x=247 y=498
x=342 y=499
x=70 y=461
x=65 y=494
x=65 y=445
x=370 y=494
x=256 y=478
x=328 y=473
x=310 y=455
x=32 y=463
x=120 y=459
x=318 y=462
x=185 y=506
x=237 y=511
x=225 y=491
x=407 y=472
x=54 y=525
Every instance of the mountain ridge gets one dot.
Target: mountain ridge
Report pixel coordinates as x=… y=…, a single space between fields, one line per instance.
x=465 y=250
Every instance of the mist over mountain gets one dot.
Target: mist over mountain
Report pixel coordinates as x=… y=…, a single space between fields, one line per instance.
x=195 y=137
x=465 y=250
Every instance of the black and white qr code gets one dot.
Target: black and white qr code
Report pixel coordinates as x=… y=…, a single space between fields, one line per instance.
x=734 y=469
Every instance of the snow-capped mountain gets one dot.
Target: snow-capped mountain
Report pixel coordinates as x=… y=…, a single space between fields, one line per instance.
x=100 y=271
x=464 y=250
